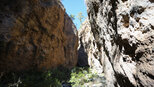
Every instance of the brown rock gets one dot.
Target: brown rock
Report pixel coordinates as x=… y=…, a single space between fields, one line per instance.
x=36 y=34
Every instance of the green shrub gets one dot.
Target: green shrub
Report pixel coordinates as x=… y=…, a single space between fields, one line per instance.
x=80 y=76
x=77 y=77
x=50 y=78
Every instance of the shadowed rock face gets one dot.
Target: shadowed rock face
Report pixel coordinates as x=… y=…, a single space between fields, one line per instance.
x=88 y=51
x=36 y=34
x=124 y=33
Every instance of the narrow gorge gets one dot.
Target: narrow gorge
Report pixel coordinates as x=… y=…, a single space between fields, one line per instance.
x=41 y=47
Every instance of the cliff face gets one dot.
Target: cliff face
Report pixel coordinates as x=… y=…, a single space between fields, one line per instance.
x=36 y=34
x=124 y=34
x=88 y=53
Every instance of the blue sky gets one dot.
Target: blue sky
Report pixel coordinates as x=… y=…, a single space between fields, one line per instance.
x=74 y=7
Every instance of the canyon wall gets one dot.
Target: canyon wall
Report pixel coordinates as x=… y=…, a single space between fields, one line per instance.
x=124 y=34
x=88 y=52
x=36 y=34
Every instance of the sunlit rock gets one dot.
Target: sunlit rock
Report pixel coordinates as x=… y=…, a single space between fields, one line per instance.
x=36 y=34
x=124 y=33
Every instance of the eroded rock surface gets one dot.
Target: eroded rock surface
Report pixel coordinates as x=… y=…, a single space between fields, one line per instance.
x=36 y=34
x=87 y=50
x=124 y=33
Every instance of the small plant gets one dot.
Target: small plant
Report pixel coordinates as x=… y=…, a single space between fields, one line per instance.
x=72 y=16
x=80 y=76
x=80 y=17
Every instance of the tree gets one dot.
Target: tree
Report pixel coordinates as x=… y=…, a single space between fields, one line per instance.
x=80 y=17
x=72 y=16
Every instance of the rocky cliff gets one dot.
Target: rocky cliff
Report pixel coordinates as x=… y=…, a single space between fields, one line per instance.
x=36 y=34
x=88 y=53
x=124 y=34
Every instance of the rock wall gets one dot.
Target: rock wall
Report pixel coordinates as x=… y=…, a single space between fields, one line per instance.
x=88 y=53
x=36 y=34
x=124 y=33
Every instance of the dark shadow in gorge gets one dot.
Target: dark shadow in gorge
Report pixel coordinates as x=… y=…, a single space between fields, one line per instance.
x=33 y=78
x=82 y=56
